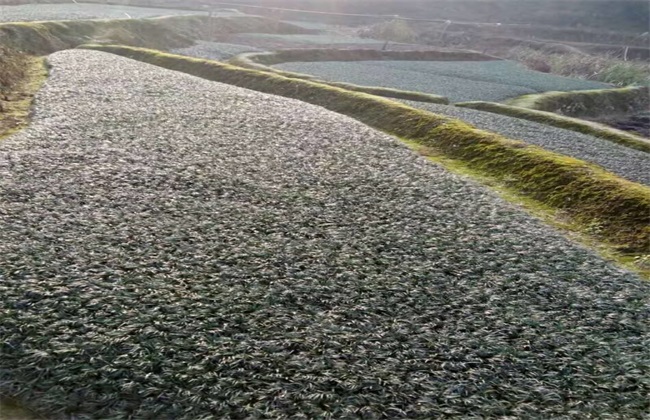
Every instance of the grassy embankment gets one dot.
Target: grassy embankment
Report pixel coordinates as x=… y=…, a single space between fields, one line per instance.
x=562 y=109
x=39 y=38
x=572 y=62
x=588 y=103
x=20 y=78
x=592 y=201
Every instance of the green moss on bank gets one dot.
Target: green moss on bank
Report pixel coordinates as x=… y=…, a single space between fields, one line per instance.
x=588 y=103
x=583 y=192
x=568 y=123
x=14 y=115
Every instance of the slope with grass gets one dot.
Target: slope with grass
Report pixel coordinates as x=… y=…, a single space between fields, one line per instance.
x=166 y=32
x=588 y=103
x=20 y=77
x=178 y=248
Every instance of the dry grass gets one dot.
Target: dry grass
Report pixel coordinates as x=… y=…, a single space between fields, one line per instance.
x=40 y=38
x=20 y=77
x=602 y=68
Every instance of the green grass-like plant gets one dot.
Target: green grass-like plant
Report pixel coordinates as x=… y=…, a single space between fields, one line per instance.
x=582 y=126
x=585 y=193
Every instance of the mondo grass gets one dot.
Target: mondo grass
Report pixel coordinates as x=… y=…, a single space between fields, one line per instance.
x=561 y=121
x=588 y=103
x=585 y=193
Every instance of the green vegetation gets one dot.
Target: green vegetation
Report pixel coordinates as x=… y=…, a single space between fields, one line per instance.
x=588 y=103
x=555 y=120
x=573 y=63
x=40 y=38
x=20 y=78
x=583 y=192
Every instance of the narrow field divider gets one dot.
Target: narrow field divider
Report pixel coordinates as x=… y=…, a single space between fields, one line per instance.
x=581 y=126
x=585 y=193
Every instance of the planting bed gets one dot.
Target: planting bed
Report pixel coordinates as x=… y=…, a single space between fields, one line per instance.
x=178 y=248
x=459 y=81
x=214 y=50
x=626 y=162
x=32 y=12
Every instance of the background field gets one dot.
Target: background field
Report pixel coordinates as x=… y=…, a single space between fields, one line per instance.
x=31 y=12
x=459 y=81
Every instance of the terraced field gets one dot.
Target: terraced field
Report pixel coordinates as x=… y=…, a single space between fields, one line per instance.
x=459 y=81
x=215 y=50
x=628 y=163
x=32 y=12
x=178 y=248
